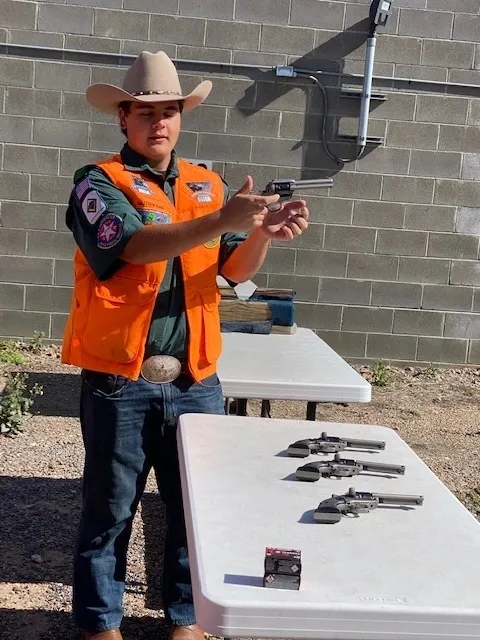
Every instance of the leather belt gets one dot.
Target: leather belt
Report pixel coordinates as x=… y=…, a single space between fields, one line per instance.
x=161 y=369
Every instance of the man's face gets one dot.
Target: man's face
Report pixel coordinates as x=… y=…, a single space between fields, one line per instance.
x=152 y=128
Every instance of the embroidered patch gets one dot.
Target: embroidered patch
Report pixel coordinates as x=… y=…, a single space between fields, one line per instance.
x=201 y=191
x=82 y=187
x=203 y=196
x=140 y=185
x=154 y=217
x=93 y=206
x=110 y=231
x=214 y=242
x=199 y=186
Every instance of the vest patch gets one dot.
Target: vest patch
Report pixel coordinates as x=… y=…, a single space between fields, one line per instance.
x=202 y=191
x=110 y=231
x=211 y=244
x=140 y=185
x=154 y=217
x=93 y=206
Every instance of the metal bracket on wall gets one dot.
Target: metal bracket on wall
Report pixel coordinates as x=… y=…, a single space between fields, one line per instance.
x=369 y=139
x=357 y=93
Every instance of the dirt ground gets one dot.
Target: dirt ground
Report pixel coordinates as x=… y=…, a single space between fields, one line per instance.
x=435 y=412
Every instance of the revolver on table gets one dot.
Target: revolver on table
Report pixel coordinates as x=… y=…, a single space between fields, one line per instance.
x=329 y=444
x=286 y=188
x=353 y=502
x=343 y=467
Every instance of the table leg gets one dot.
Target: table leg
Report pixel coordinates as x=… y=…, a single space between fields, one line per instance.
x=266 y=409
x=311 y=410
x=242 y=406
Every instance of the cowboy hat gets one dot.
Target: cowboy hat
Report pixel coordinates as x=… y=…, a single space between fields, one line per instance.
x=151 y=78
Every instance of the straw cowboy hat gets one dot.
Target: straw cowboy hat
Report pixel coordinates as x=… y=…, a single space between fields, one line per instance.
x=151 y=78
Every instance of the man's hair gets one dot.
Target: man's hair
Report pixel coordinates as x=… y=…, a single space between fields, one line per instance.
x=126 y=104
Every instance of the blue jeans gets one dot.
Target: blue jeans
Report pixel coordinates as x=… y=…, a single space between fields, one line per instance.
x=128 y=428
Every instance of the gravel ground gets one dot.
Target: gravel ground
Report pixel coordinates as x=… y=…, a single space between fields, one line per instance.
x=436 y=412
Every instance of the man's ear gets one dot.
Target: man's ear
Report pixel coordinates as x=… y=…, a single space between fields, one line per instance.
x=122 y=118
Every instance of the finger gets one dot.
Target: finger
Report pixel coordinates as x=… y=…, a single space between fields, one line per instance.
x=247 y=186
x=298 y=221
x=287 y=233
x=294 y=204
x=264 y=201
x=294 y=228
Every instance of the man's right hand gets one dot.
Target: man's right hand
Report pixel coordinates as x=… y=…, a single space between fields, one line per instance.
x=245 y=210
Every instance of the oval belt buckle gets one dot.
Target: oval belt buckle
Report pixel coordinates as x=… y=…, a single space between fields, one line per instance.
x=161 y=369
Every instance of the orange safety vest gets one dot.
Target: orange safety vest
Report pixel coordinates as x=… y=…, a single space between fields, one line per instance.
x=109 y=320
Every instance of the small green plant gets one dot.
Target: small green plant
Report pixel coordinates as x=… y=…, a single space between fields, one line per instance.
x=431 y=371
x=36 y=343
x=10 y=352
x=16 y=401
x=382 y=374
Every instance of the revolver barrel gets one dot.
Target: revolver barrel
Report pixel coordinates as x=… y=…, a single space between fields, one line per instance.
x=323 y=183
x=363 y=444
x=378 y=467
x=392 y=498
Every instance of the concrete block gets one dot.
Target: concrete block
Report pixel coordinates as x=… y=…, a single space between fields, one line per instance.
x=65 y=19
x=426 y=24
x=429 y=217
x=391 y=347
x=474 y=112
x=442 y=109
x=345 y=291
x=423 y=270
x=228 y=92
x=26 y=270
x=253 y=122
x=448 y=245
x=398 y=50
x=442 y=350
x=237 y=35
x=476 y=302
x=471 y=166
x=414 y=72
x=378 y=214
x=447 y=298
x=464 y=193
x=349 y=127
x=336 y=210
x=465 y=272
x=396 y=294
x=169 y=7
x=59 y=321
x=13 y=186
x=50 y=244
x=318 y=316
x=60 y=222
x=464 y=76
x=235 y=173
x=385 y=160
x=321 y=263
x=27 y=215
x=279 y=261
x=185 y=52
x=406 y=189
x=75 y=107
x=421 y=323
x=62 y=76
x=401 y=242
x=18 y=15
x=474 y=352
x=33 y=102
x=466 y=27
x=15 y=129
x=222 y=147
x=22 y=324
x=73 y=159
x=220 y=9
x=402 y=108
x=311 y=13
x=443 y=51
x=364 y=186
x=37 y=38
x=12 y=242
x=356 y=18
x=89 y=43
x=134 y=47
x=367 y=319
x=371 y=267
x=51 y=189
x=31 y=159
x=63 y=273
x=312 y=239
x=11 y=296
x=120 y=24
x=468 y=220
x=466 y=139
x=48 y=298
x=348 y=345
x=462 y=325
x=281 y=96
x=356 y=239
x=16 y=72
x=461 y=6
x=187 y=145
x=411 y=135
x=294 y=40
x=105 y=137
x=266 y=12
x=306 y=287
x=264 y=150
x=435 y=164
x=47 y=131
x=259 y=58
x=205 y=118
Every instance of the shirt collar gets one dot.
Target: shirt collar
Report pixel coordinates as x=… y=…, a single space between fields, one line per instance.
x=133 y=161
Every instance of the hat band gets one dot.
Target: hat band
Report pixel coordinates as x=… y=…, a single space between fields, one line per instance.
x=156 y=93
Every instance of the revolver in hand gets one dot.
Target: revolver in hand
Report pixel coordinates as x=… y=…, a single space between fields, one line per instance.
x=343 y=467
x=329 y=444
x=353 y=502
x=286 y=188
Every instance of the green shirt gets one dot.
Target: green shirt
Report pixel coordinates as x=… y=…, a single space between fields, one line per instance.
x=168 y=329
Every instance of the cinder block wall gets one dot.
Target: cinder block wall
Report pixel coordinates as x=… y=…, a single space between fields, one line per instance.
x=389 y=268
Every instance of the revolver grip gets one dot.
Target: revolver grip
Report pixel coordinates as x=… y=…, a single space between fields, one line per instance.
x=299 y=449
x=327 y=514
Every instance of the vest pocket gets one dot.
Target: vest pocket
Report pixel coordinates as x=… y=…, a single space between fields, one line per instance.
x=118 y=318
x=211 y=323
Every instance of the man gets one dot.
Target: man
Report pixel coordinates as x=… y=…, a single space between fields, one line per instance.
x=153 y=232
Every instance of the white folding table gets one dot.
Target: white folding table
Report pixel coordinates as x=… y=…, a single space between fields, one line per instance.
x=389 y=574
x=300 y=366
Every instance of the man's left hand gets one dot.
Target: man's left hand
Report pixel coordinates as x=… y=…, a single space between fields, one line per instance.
x=290 y=221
